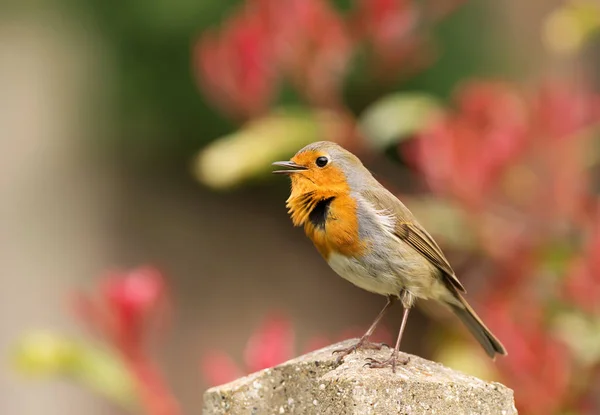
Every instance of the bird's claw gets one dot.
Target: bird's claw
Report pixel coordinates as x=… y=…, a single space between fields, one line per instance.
x=393 y=361
x=361 y=344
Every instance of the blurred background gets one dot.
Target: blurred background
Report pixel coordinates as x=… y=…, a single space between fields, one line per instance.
x=145 y=250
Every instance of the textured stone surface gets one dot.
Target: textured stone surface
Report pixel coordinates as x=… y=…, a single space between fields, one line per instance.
x=312 y=384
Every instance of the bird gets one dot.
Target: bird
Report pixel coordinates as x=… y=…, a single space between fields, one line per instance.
x=371 y=239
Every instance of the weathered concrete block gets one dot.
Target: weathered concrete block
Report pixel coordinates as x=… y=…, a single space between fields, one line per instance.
x=312 y=384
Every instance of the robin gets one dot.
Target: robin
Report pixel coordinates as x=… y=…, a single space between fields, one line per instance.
x=368 y=237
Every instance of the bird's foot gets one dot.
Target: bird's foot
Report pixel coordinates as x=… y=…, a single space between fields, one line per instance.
x=392 y=362
x=363 y=343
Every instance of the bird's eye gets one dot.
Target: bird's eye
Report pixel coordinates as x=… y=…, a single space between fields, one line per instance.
x=322 y=161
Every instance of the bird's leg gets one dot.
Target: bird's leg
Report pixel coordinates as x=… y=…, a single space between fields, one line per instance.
x=363 y=342
x=394 y=358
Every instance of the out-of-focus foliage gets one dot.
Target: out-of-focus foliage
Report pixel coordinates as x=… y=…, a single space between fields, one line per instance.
x=309 y=46
x=46 y=354
x=127 y=312
x=395 y=117
x=249 y=152
x=514 y=161
x=152 y=63
x=444 y=217
x=568 y=28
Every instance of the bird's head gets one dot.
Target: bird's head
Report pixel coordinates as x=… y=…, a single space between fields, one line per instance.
x=323 y=166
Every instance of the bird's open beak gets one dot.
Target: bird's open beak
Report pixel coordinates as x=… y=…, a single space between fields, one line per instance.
x=289 y=165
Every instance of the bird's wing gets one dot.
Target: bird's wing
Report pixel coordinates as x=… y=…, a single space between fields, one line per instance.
x=410 y=231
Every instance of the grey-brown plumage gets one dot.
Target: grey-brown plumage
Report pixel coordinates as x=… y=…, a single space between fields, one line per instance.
x=411 y=232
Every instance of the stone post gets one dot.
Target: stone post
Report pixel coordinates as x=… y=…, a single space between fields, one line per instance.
x=313 y=384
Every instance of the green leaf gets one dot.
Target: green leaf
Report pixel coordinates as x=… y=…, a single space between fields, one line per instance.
x=248 y=153
x=568 y=28
x=43 y=354
x=557 y=255
x=397 y=117
x=467 y=358
x=581 y=333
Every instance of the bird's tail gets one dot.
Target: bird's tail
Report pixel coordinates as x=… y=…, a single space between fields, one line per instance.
x=483 y=335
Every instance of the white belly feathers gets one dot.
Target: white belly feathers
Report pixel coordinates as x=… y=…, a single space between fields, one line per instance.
x=355 y=271
x=389 y=265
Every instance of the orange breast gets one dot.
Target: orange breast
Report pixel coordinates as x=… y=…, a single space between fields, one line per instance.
x=340 y=231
